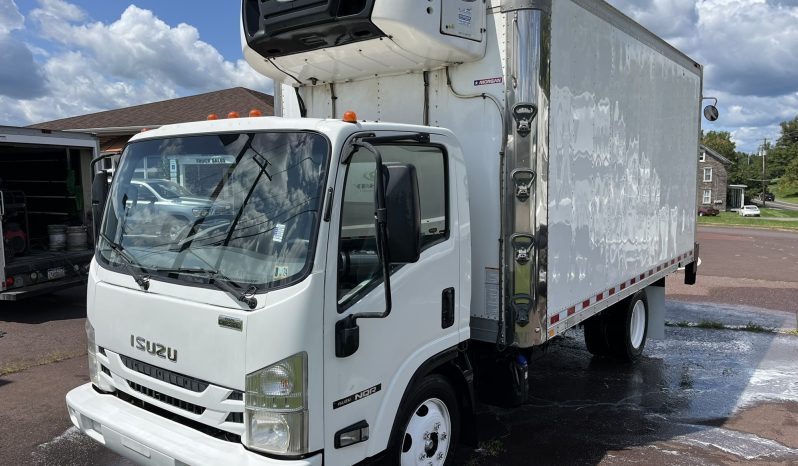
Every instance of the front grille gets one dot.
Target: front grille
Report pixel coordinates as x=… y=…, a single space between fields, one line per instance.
x=238 y=418
x=184 y=405
x=235 y=395
x=206 y=429
x=164 y=375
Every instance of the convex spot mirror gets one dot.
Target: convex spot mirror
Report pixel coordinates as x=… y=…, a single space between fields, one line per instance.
x=404 y=212
x=711 y=112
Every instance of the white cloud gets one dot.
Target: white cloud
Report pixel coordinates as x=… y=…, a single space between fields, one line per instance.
x=10 y=17
x=140 y=46
x=95 y=66
x=19 y=75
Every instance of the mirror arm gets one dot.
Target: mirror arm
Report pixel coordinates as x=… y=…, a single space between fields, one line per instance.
x=381 y=221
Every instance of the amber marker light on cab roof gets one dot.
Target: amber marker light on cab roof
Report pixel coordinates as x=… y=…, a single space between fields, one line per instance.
x=213 y=116
x=255 y=113
x=233 y=115
x=350 y=117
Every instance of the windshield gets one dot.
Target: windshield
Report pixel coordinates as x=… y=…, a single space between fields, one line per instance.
x=243 y=207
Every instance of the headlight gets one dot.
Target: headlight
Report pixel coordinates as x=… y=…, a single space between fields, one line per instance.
x=276 y=407
x=94 y=364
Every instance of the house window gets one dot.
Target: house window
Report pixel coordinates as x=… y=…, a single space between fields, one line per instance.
x=707 y=196
x=707 y=174
x=702 y=157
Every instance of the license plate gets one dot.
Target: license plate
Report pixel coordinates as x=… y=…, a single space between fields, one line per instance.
x=56 y=272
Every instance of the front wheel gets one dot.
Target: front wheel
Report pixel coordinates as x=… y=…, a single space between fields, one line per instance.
x=429 y=425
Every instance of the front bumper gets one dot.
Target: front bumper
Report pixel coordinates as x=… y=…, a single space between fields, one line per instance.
x=149 y=439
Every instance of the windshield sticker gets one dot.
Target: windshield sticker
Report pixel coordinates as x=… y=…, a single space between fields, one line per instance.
x=279 y=231
x=280 y=272
x=464 y=16
x=483 y=82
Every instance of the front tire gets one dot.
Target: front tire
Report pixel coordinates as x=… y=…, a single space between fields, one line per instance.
x=429 y=426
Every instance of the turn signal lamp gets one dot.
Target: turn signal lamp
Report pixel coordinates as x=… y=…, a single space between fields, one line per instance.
x=350 y=117
x=255 y=113
x=213 y=116
x=233 y=115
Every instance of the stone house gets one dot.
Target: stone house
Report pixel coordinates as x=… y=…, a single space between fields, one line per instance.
x=712 y=179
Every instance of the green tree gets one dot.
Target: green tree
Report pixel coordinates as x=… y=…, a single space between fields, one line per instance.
x=782 y=159
x=720 y=142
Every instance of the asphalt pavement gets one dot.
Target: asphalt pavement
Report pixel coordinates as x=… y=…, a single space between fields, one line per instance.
x=701 y=396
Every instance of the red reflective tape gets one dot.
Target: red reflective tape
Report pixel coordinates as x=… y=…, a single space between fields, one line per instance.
x=623 y=286
x=612 y=291
x=599 y=297
x=555 y=319
x=642 y=276
x=571 y=310
x=585 y=303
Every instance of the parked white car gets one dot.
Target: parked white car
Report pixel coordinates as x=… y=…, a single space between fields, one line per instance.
x=749 y=211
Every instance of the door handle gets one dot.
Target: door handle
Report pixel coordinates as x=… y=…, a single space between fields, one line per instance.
x=447 y=308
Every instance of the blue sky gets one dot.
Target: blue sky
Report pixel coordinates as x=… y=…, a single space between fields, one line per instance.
x=61 y=58
x=217 y=21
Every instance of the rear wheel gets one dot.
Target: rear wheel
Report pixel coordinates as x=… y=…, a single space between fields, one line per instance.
x=596 y=335
x=629 y=327
x=429 y=425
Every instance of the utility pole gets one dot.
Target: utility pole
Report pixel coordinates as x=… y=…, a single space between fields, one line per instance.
x=764 y=185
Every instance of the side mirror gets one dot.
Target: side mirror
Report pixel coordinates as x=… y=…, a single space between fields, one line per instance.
x=404 y=213
x=99 y=196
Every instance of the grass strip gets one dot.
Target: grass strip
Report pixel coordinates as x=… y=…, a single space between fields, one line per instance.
x=56 y=356
x=733 y=219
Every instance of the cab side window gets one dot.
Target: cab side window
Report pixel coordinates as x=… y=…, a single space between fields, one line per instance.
x=359 y=268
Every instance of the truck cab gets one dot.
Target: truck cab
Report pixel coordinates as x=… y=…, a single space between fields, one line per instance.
x=258 y=292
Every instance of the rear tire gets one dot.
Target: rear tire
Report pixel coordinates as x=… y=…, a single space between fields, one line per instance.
x=596 y=335
x=628 y=327
x=429 y=425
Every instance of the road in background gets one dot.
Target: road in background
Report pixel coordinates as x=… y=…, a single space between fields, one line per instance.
x=744 y=266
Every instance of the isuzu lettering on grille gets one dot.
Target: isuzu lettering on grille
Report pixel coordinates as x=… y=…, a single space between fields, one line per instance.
x=156 y=349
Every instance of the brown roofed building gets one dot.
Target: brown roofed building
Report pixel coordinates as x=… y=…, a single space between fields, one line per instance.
x=115 y=127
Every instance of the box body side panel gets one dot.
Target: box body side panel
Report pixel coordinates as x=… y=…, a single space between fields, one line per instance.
x=624 y=142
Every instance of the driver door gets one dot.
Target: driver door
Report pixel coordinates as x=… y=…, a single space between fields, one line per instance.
x=366 y=387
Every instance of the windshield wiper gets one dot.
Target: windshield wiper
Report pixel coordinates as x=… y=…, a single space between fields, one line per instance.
x=221 y=281
x=130 y=264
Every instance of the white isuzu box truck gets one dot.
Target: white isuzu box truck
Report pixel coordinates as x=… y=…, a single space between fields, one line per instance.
x=452 y=184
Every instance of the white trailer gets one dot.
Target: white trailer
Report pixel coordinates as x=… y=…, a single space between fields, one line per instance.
x=45 y=180
x=451 y=185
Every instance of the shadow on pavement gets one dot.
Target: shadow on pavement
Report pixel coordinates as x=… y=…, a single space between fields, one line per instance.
x=582 y=410
x=63 y=305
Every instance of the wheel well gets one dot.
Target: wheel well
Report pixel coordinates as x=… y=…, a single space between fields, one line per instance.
x=455 y=366
x=459 y=373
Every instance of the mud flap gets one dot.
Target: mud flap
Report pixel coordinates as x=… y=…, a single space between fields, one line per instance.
x=655 y=295
x=691 y=270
